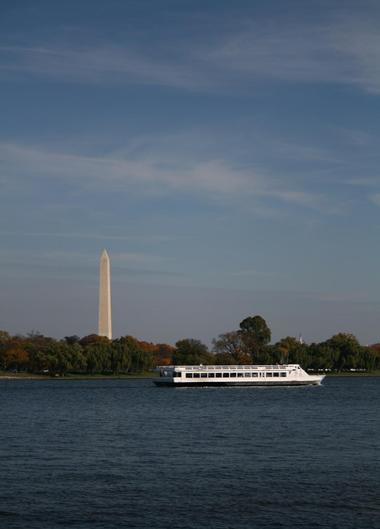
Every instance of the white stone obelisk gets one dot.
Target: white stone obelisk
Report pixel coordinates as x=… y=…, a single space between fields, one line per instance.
x=105 y=319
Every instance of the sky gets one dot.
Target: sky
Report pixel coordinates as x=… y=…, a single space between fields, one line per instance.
x=226 y=154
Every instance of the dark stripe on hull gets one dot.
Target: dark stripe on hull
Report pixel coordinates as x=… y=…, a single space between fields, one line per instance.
x=211 y=384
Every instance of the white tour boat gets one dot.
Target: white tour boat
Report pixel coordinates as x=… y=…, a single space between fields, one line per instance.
x=264 y=375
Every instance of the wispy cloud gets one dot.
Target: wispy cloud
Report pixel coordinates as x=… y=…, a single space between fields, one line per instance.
x=368 y=182
x=375 y=199
x=215 y=177
x=101 y=63
x=291 y=53
x=357 y=39
x=342 y=49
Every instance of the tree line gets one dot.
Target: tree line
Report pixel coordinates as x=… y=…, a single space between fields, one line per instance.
x=89 y=355
x=249 y=344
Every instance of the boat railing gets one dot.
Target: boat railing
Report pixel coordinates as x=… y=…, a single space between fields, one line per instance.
x=235 y=367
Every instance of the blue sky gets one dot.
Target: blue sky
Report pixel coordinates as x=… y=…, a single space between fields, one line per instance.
x=226 y=155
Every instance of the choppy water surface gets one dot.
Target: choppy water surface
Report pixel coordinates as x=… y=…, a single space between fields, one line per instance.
x=124 y=453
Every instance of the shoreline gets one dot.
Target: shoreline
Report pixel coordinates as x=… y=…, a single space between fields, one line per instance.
x=31 y=376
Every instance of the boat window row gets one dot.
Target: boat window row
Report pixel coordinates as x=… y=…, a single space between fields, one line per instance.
x=275 y=374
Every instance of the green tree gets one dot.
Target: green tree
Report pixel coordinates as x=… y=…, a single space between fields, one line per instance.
x=77 y=358
x=289 y=350
x=132 y=356
x=121 y=358
x=347 y=350
x=98 y=358
x=60 y=359
x=231 y=349
x=5 y=340
x=322 y=356
x=191 y=352
x=371 y=357
x=93 y=339
x=71 y=340
x=255 y=335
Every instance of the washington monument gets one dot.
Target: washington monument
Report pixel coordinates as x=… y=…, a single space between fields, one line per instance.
x=105 y=320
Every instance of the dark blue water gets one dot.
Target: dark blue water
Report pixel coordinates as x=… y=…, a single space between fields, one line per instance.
x=123 y=453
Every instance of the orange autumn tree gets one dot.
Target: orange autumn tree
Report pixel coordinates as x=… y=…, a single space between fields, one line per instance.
x=15 y=358
x=164 y=354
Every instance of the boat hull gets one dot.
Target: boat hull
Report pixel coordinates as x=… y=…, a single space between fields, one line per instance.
x=234 y=384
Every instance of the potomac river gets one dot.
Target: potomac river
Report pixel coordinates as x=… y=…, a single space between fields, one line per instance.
x=109 y=454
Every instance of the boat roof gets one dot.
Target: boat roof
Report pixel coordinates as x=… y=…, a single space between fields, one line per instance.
x=230 y=367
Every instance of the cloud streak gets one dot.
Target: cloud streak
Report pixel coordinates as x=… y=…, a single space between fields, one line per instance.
x=375 y=199
x=341 y=50
x=100 y=63
x=214 y=178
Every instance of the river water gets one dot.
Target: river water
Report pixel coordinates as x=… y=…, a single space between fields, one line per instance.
x=124 y=453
